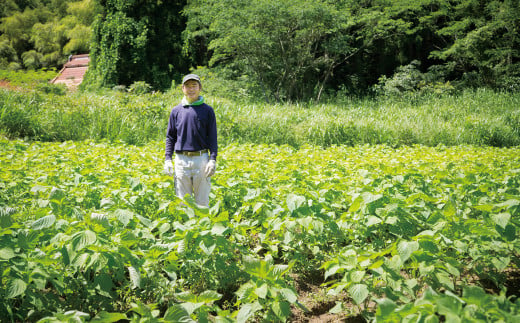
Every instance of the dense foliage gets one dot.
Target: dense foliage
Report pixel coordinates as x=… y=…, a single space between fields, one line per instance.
x=278 y=51
x=137 y=41
x=43 y=33
x=299 y=48
x=93 y=231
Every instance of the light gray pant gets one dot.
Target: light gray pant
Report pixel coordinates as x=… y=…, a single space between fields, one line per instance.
x=190 y=178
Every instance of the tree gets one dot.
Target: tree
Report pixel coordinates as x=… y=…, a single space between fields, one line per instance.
x=7 y=54
x=7 y=8
x=17 y=28
x=277 y=44
x=137 y=40
x=484 y=43
x=292 y=48
x=47 y=32
x=48 y=40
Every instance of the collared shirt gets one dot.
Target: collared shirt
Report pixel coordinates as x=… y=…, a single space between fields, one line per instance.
x=192 y=128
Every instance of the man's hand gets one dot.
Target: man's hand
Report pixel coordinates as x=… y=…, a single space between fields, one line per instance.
x=168 y=167
x=210 y=168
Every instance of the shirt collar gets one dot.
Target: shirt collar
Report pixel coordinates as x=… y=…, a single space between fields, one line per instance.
x=199 y=101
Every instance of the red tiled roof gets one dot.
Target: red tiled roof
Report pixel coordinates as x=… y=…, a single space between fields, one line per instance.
x=72 y=72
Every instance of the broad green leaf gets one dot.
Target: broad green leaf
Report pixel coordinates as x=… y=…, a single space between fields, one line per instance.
x=177 y=313
x=245 y=291
x=15 y=287
x=338 y=308
x=509 y=232
x=331 y=270
x=257 y=207
x=500 y=263
x=280 y=270
x=38 y=188
x=447 y=305
x=372 y=220
x=452 y=269
x=356 y=276
x=257 y=267
x=82 y=239
x=432 y=318
x=261 y=291
x=508 y=204
x=80 y=260
x=247 y=311
x=209 y=296
x=385 y=307
x=106 y=203
x=406 y=248
x=100 y=218
x=6 y=253
x=186 y=297
x=103 y=282
x=289 y=295
x=294 y=202
x=358 y=292
x=444 y=279
x=145 y=221
x=5 y=216
x=356 y=204
x=207 y=250
x=281 y=309
x=218 y=229
x=501 y=219
x=377 y=264
x=44 y=222
x=395 y=262
x=484 y=207
x=124 y=216
x=106 y=317
x=449 y=209
x=57 y=194
x=474 y=295
x=135 y=277
x=191 y=307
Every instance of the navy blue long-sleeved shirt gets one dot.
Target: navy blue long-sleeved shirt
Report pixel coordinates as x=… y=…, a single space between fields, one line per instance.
x=192 y=128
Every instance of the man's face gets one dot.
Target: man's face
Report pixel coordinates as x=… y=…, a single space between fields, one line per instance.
x=191 y=90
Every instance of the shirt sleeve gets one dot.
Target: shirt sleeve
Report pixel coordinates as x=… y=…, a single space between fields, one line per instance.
x=171 y=137
x=212 y=134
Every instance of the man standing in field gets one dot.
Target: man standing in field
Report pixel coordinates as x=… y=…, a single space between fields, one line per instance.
x=192 y=136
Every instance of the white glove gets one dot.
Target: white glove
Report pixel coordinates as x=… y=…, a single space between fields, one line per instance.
x=210 y=168
x=168 y=167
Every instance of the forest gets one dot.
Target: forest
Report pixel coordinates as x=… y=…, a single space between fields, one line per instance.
x=298 y=50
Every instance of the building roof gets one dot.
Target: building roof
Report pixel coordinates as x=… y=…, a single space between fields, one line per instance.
x=73 y=71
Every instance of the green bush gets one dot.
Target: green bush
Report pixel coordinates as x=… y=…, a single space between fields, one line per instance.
x=47 y=88
x=27 y=78
x=139 y=87
x=409 y=79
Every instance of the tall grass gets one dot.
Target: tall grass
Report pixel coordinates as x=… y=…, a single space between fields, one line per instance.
x=478 y=117
x=129 y=118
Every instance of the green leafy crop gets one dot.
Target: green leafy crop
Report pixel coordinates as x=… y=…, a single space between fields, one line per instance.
x=92 y=231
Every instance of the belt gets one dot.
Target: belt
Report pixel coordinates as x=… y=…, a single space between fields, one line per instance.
x=192 y=153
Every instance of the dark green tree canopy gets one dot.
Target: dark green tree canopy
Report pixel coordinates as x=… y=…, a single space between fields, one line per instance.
x=290 y=50
x=137 y=40
x=42 y=34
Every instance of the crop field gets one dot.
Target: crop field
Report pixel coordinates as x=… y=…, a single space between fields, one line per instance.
x=92 y=231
